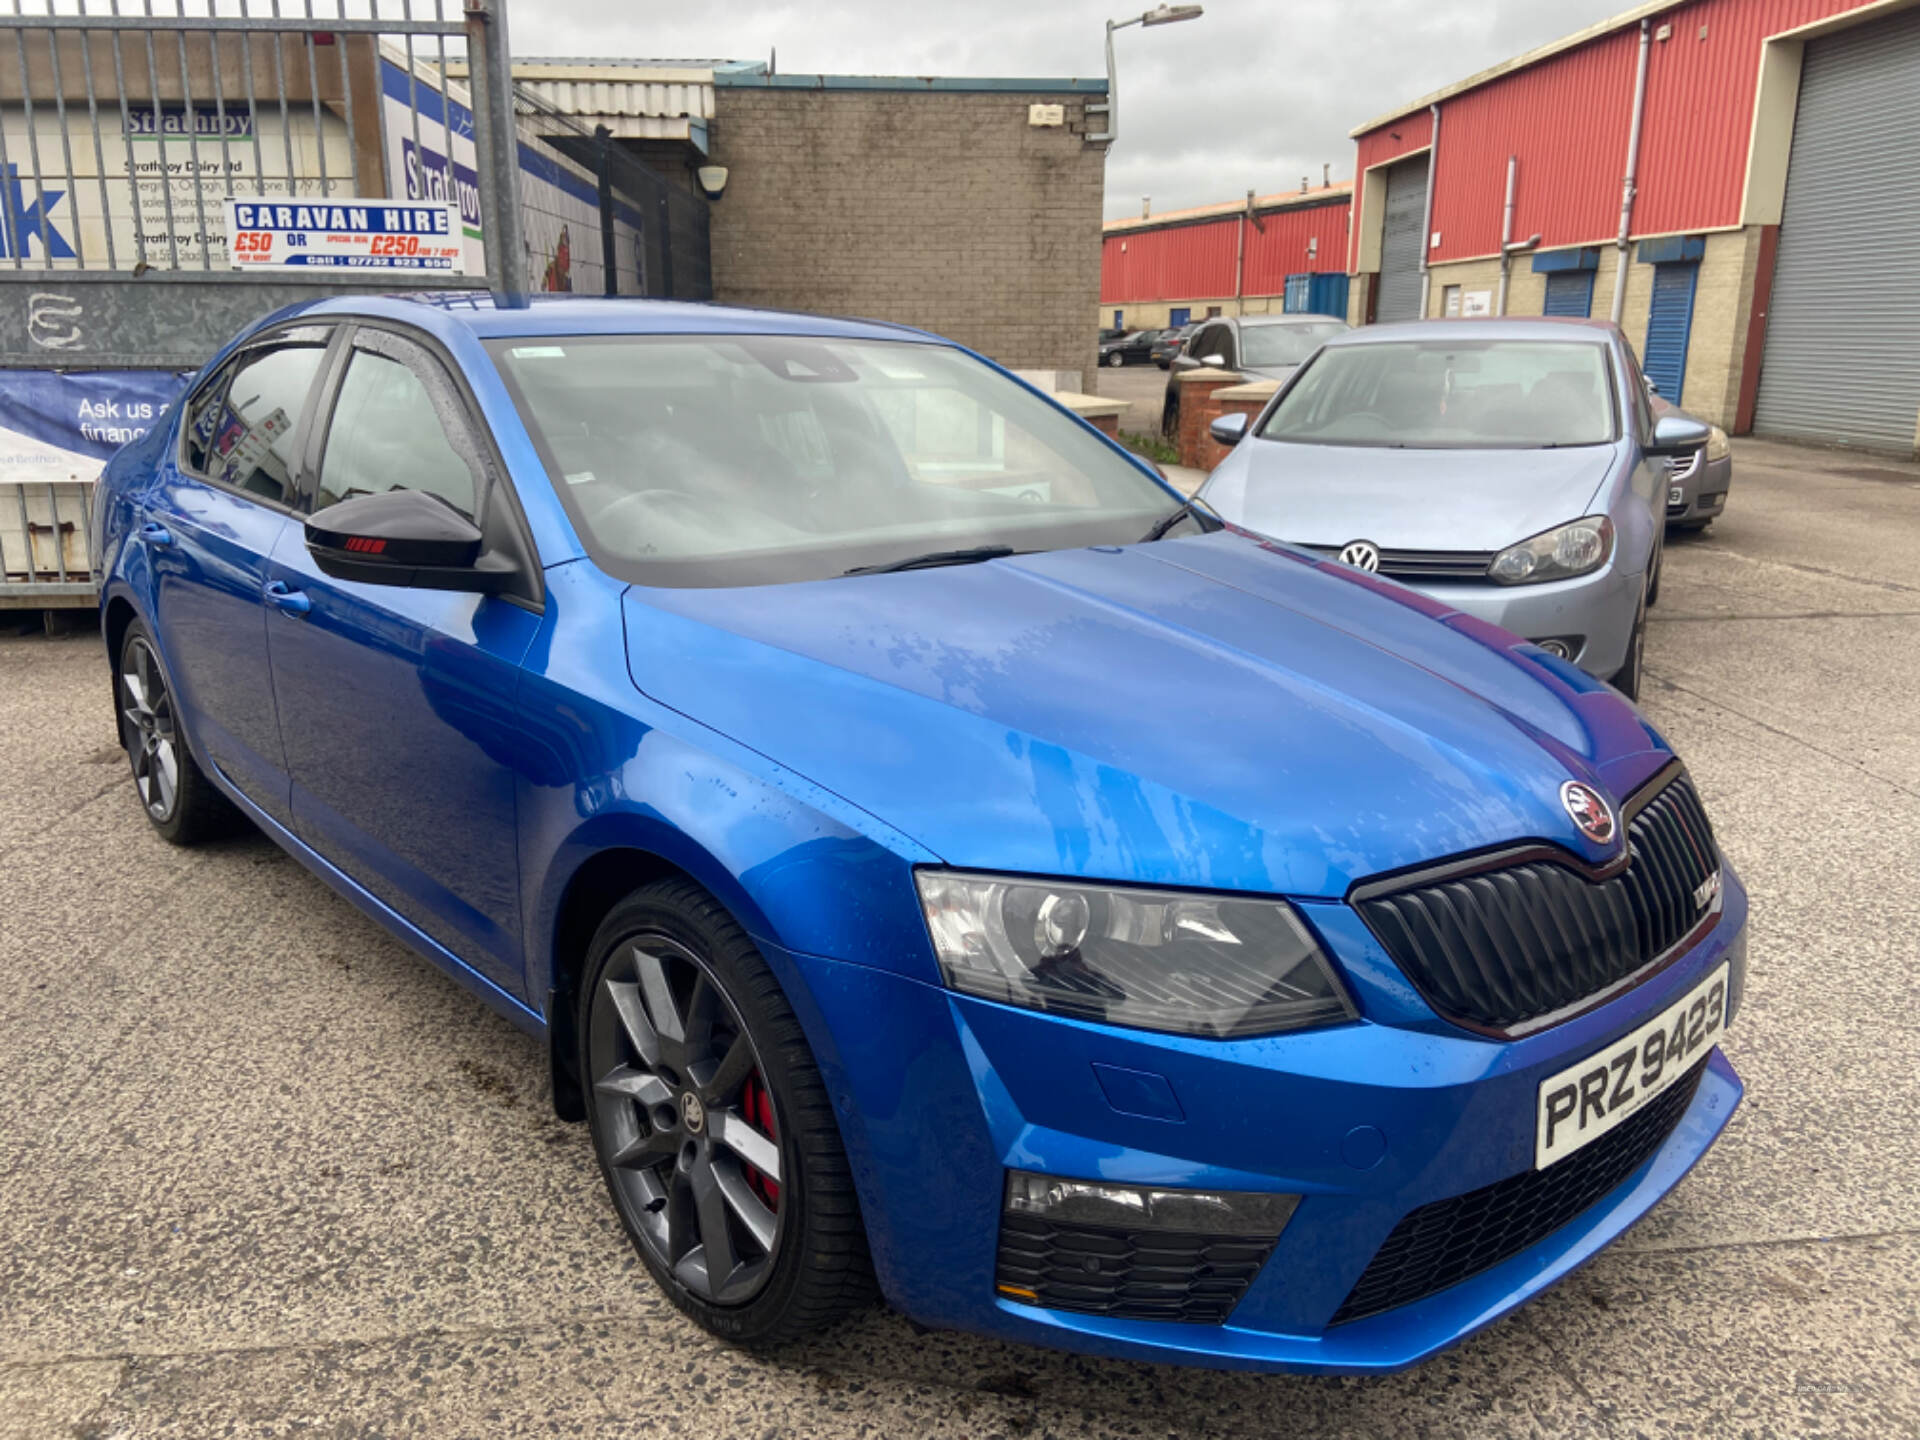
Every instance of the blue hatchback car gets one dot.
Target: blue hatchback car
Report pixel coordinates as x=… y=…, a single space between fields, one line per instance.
x=940 y=859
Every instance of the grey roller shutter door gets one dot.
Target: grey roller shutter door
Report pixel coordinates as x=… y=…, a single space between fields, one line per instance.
x=1842 y=359
x=1400 y=241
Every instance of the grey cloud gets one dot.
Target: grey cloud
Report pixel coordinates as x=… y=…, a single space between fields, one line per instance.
x=1249 y=96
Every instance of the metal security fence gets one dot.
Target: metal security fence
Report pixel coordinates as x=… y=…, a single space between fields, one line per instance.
x=646 y=235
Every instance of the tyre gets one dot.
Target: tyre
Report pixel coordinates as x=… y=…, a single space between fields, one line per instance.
x=1627 y=681
x=180 y=801
x=1691 y=527
x=1116 y=360
x=712 y=1125
x=1659 y=570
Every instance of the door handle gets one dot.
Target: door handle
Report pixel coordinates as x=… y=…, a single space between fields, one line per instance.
x=291 y=602
x=156 y=534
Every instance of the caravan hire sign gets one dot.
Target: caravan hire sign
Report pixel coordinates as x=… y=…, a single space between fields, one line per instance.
x=345 y=235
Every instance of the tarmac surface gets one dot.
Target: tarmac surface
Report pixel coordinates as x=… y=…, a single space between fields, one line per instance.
x=265 y=1172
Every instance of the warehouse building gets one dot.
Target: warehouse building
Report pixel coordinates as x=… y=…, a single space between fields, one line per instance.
x=1768 y=264
x=1266 y=254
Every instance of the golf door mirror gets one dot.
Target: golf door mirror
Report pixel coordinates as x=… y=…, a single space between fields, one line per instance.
x=404 y=537
x=1219 y=362
x=1678 y=435
x=1229 y=430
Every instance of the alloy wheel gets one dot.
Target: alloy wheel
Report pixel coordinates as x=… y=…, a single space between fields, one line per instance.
x=153 y=740
x=686 y=1121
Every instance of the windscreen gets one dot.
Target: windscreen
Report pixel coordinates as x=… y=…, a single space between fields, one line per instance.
x=711 y=460
x=1271 y=345
x=1451 y=394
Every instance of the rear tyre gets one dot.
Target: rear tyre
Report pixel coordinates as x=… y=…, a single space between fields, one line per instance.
x=180 y=801
x=712 y=1125
x=1627 y=681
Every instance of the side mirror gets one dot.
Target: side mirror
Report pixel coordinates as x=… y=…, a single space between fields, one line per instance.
x=1229 y=430
x=1652 y=389
x=404 y=537
x=1677 y=434
x=1219 y=362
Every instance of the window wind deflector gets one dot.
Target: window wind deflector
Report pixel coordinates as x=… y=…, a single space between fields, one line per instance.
x=935 y=558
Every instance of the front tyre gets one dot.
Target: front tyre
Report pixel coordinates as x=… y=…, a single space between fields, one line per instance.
x=180 y=801
x=1627 y=681
x=1116 y=360
x=712 y=1125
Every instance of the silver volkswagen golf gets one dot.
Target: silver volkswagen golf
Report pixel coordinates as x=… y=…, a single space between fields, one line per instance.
x=1511 y=469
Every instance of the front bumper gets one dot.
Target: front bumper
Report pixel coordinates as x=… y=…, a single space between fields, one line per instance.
x=1596 y=612
x=1703 y=492
x=941 y=1094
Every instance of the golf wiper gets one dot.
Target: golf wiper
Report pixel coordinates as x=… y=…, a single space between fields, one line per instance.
x=1208 y=518
x=934 y=558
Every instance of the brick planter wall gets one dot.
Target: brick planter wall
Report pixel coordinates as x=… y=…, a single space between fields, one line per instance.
x=1248 y=400
x=1199 y=409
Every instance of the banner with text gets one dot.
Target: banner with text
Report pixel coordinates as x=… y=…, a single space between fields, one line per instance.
x=345 y=234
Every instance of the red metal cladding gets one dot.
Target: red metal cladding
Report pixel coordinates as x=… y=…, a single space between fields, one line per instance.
x=1567 y=119
x=1288 y=242
x=1377 y=147
x=1180 y=262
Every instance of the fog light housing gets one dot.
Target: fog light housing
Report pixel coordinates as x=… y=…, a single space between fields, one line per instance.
x=1561 y=647
x=1135 y=1252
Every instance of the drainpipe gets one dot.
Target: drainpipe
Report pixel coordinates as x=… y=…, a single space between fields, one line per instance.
x=1506 y=236
x=1240 y=261
x=1628 y=185
x=1426 y=218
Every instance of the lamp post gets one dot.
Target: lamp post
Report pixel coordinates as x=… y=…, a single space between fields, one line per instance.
x=1162 y=15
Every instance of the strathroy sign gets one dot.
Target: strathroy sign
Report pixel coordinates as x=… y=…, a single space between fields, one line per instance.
x=267 y=234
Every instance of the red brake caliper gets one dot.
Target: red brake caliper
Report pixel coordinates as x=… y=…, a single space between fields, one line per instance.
x=757 y=1105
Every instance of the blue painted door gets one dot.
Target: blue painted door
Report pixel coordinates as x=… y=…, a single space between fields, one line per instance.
x=1180 y=315
x=216 y=513
x=1569 y=292
x=397 y=704
x=1669 y=324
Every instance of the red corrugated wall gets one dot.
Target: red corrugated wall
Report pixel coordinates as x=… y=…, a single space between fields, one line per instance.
x=1377 y=147
x=1567 y=119
x=1195 y=261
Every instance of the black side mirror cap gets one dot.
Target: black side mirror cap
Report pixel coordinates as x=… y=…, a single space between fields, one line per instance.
x=1677 y=434
x=404 y=537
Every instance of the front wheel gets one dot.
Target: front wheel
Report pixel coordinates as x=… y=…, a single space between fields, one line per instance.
x=180 y=801
x=1627 y=681
x=712 y=1125
x=1116 y=360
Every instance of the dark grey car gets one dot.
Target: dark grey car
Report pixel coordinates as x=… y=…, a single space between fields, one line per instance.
x=1260 y=347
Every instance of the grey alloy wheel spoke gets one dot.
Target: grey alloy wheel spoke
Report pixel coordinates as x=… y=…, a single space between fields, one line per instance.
x=724 y=1082
x=748 y=1207
x=662 y=1009
x=166 y=774
x=643 y=1152
x=625 y=998
x=732 y=1131
x=640 y=1086
x=716 y=1236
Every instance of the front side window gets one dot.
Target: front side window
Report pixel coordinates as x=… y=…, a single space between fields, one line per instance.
x=386 y=434
x=1446 y=394
x=1266 y=345
x=745 y=460
x=249 y=446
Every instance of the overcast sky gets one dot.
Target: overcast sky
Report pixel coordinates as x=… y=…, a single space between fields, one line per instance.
x=1254 y=93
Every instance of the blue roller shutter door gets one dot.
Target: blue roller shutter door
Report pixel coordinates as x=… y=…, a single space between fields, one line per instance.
x=1669 y=323
x=1570 y=292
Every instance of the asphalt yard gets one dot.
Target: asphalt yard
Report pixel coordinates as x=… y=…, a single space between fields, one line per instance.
x=264 y=1172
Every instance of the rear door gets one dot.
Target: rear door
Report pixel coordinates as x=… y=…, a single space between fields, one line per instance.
x=397 y=704
x=220 y=506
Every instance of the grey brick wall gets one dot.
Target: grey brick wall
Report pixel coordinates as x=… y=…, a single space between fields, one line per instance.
x=938 y=209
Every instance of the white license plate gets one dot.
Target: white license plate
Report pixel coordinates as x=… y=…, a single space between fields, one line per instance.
x=1585 y=1101
x=1677 y=495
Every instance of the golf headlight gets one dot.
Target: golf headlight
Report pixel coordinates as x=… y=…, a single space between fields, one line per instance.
x=1152 y=959
x=1718 y=447
x=1556 y=554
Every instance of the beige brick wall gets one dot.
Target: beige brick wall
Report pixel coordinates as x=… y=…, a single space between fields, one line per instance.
x=937 y=209
x=1722 y=303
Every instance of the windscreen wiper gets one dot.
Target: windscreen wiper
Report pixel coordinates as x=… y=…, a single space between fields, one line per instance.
x=935 y=558
x=1209 y=519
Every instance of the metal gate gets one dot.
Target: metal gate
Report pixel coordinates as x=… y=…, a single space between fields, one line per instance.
x=1842 y=356
x=1401 y=240
x=1669 y=328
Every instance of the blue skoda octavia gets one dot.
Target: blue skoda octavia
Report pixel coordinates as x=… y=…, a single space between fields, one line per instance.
x=941 y=861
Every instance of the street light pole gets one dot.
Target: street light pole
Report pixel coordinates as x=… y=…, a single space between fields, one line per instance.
x=1163 y=15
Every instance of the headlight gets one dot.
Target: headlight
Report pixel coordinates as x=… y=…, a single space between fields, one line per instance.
x=1152 y=959
x=1718 y=447
x=1556 y=554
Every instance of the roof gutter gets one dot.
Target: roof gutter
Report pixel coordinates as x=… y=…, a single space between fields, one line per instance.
x=1426 y=214
x=1629 y=184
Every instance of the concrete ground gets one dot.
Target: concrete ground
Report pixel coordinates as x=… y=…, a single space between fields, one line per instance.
x=1143 y=387
x=265 y=1172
